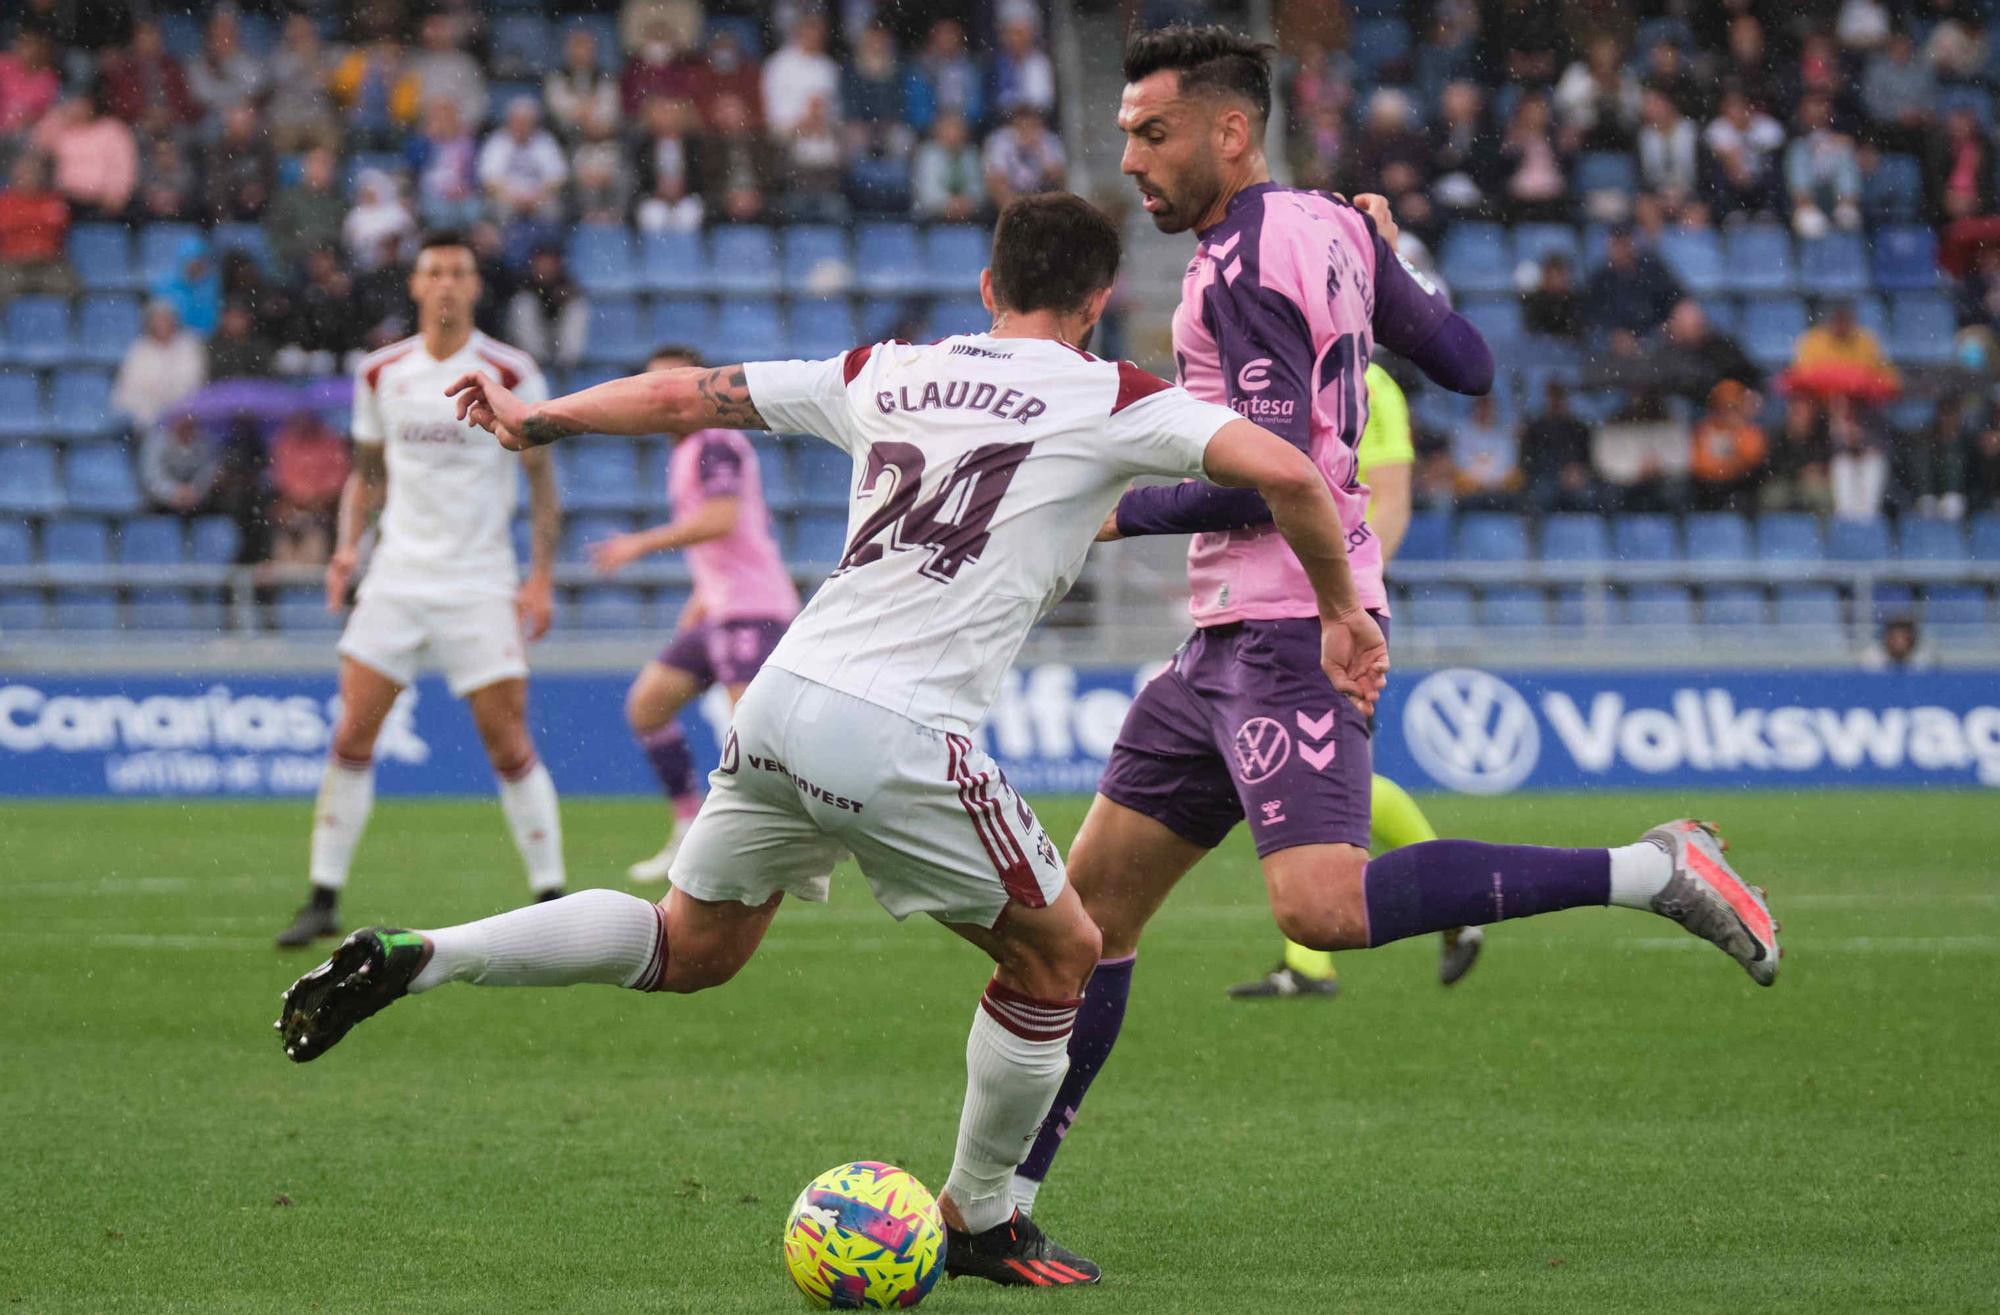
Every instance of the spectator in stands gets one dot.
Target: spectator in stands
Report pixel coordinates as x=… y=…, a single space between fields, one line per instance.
x=1551 y=308
x=1524 y=40
x=29 y=81
x=239 y=168
x=178 y=466
x=1817 y=72
x=671 y=168
x=1668 y=159
x=164 y=366
x=603 y=176
x=549 y=318
x=239 y=350
x=1961 y=168
x=1899 y=649
x=813 y=168
x=244 y=280
x=944 y=79
x=871 y=96
x=738 y=163
x=223 y=75
x=1533 y=163
x=658 y=69
x=1726 y=460
x=1979 y=291
x=1928 y=468
x=380 y=227
x=307 y=214
x=948 y=180
x=1695 y=358
x=579 y=87
x=243 y=489
x=444 y=160
x=1840 y=357
x=1630 y=295
x=1450 y=49
x=1023 y=157
x=1462 y=151
x=1747 y=64
x=1863 y=25
x=1743 y=146
x=445 y=72
x=1555 y=457
x=1668 y=73
x=1982 y=467
x=798 y=73
x=729 y=71
x=167 y=183
x=194 y=288
x=1858 y=472
x=144 y=84
x=324 y=323
x=637 y=20
x=1642 y=453
x=300 y=110
x=308 y=468
x=1897 y=92
x=1798 y=479
x=95 y=155
x=1022 y=73
x=1486 y=460
x=1955 y=47
x=34 y=223
x=523 y=171
x=1821 y=172
x=1598 y=99
x=377 y=87
x=1391 y=155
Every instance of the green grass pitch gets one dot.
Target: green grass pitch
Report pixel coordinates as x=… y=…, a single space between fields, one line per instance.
x=1606 y=1116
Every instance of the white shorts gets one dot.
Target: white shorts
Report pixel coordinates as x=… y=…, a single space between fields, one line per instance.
x=810 y=775
x=474 y=641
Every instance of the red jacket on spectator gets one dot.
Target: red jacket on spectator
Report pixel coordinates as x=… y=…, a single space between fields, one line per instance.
x=32 y=226
x=679 y=78
x=135 y=85
x=26 y=92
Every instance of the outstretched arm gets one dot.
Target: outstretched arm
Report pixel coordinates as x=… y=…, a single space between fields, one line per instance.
x=713 y=519
x=662 y=401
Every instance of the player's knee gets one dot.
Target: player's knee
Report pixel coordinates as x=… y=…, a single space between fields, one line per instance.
x=511 y=750
x=1322 y=908
x=1322 y=927
x=641 y=709
x=1056 y=965
x=354 y=740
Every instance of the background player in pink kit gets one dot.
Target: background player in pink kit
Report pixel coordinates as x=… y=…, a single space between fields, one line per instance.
x=1281 y=308
x=743 y=597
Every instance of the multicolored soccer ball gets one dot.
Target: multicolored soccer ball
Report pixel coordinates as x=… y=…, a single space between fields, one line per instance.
x=865 y=1236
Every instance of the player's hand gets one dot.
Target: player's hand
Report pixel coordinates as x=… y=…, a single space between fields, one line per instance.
x=339 y=573
x=1376 y=207
x=612 y=555
x=1355 y=657
x=1108 y=532
x=484 y=401
x=534 y=604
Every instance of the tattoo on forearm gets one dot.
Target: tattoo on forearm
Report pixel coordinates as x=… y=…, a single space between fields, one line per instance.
x=545 y=513
x=725 y=392
x=541 y=430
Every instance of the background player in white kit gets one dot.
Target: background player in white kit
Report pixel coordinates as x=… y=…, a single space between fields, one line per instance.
x=442 y=583
x=984 y=465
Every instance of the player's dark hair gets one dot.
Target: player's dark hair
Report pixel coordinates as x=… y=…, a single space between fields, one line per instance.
x=688 y=354
x=1209 y=59
x=1051 y=251
x=444 y=237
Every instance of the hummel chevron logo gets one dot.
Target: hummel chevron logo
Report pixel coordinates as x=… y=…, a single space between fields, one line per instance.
x=1320 y=757
x=1315 y=727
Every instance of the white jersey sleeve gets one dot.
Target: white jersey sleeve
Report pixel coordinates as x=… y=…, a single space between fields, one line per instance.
x=366 y=424
x=1158 y=429
x=807 y=397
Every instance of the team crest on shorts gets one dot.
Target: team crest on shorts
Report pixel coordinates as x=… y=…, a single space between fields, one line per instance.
x=1262 y=747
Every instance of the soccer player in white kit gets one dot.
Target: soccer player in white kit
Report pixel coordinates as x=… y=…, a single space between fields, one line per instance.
x=983 y=466
x=442 y=583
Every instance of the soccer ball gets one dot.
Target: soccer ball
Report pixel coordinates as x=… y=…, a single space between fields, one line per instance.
x=865 y=1236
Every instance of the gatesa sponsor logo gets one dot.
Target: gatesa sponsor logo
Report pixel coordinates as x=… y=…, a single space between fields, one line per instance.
x=33 y=720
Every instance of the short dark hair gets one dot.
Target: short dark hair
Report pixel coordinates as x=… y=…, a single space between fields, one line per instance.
x=444 y=237
x=1208 y=59
x=1051 y=251
x=688 y=354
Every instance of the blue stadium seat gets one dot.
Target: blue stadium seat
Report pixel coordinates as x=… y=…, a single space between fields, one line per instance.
x=76 y=541
x=953 y=256
x=1906 y=258
x=604 y=27
x=1834 y=265
x=817 y=537
x=523 y=45
x=22 y=414
x=1788 y=536
x=1695 y=257
x=822 y=327
x=1377 y=44
x=745 y=258
x=214 y=542
x=1724 y=315
x=1605 y=171
x=954 y=315
x=1428 y=539
x=1441 y=605
x=674 y=262
x=1758 y=258
x=17 y=546
x=824 y=474
x=1808 y=605
x=1658 y=605
x=682 y=321
x=85 y=607
x=1735 y=605
x=888 y=259
x=1573 y=537
x=1475 y=259
x=610 y=607
x=774 y=470
x=303 y=608
x=1717 y=536
x=156 y=607
x=152 y=541
x=38 y=331
x=614 y=335
x=1925 y=540
x=21 y=609
x=816 y=260
x=1514 y=605
x=98 y=478
x=160 y=249
x=1894 y=190
x=579 y=532
x=1498 y=319
x=1984 y=535
x=243 y=237
x=749 y=329
x=1966 y=96
x=1857 y=541
x=1872 y=314
x=1493 y=536
x=107 y=322
x=28 y=483
x=101 y=255
x=1956 y=605
x=1771 y=327
x=601 y=259
x=601 y=475
x=82 y=404
x=1645 y=539
x=1922 y=329
x=1537 y=242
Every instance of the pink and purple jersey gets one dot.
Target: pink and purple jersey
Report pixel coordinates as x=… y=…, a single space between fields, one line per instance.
x=1280 y=312
x=740 y=576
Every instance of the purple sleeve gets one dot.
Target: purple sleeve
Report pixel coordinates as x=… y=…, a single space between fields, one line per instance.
x=1265 y=348
x=719 y=469
x=1192 y=507
x=1413 y=319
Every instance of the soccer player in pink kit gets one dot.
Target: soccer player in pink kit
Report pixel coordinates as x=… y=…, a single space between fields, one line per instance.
x=743 y=599
x=1283 y=303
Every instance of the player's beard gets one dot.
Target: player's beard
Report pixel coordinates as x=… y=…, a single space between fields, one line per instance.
x=1185 y=205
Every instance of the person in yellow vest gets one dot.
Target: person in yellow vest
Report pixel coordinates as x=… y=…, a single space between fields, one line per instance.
x=1385 y=456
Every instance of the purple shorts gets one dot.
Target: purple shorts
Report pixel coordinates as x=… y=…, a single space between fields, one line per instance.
x=723 y=652
x=1245 y=724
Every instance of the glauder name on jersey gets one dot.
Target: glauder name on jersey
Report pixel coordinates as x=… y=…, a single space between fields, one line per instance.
x=962 y=395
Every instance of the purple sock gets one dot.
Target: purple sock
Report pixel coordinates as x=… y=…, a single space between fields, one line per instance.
x=1097 y=1022
x=667 y=749
x=1441 y=884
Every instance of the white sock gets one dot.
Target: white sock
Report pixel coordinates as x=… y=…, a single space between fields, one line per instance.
x=1024 y=1192
x=340 y=815
x=1639 y=872
x=529 y=800
x=601 y=936
x=1014 y=1061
